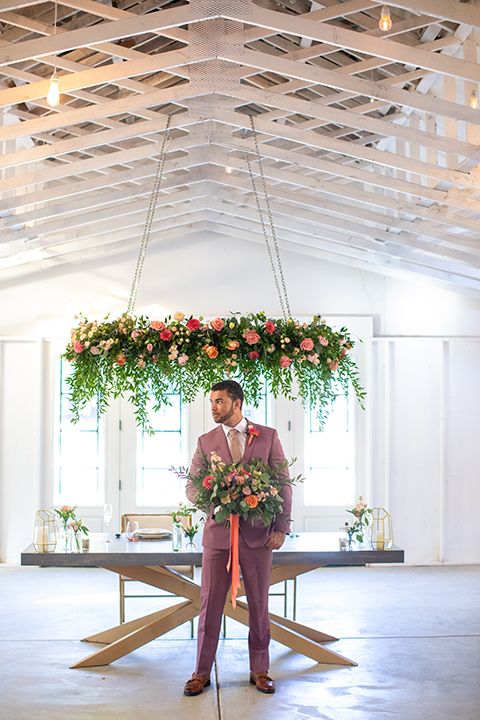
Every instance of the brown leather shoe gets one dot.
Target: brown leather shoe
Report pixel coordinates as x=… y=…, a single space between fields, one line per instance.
x=195 y=685
x=264 y=683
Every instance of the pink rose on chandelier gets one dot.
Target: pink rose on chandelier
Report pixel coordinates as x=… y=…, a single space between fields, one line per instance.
x=77 y=346
x=285 y=361
x=193 y=324
x=149 y=347
x=253 y=355
x=323 y=340
x=232 y=345
x=307 y=344
x=217 y=324
x=251 y=337
x=157 y=325
x=332 y=364
x=179 y=316
x=120 y=359
x=166 y=335
x=182 y=359
x=95 y=350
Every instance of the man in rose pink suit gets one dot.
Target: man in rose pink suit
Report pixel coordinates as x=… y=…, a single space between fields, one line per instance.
x=256 y=541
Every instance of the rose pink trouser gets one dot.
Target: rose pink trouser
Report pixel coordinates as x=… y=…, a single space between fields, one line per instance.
x=256 y=565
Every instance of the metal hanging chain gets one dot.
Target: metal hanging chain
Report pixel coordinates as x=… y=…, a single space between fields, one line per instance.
x=265 y=235
x=270 y=218
x=148 y=221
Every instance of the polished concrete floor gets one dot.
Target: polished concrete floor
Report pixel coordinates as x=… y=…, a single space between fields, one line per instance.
x=415 y=633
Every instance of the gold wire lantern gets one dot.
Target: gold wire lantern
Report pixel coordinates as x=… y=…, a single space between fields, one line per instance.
x=45 y=531
x=381 y=530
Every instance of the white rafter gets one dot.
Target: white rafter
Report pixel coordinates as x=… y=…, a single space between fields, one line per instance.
x=369 y=145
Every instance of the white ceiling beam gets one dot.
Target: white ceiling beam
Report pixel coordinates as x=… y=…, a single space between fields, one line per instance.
x=349 y=39
x=96 y=76
x=460 y=12
x=349 y=149
x=84 y=142
x=95 y=112
x=354 y=120
x=358 y=86
x=102 y=32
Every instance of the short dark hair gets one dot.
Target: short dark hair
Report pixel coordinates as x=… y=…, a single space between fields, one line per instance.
x=233 y=388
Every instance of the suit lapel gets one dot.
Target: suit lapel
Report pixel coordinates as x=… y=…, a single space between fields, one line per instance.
x=249 y=448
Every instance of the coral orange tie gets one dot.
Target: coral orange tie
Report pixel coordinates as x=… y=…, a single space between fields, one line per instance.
x=234 y=445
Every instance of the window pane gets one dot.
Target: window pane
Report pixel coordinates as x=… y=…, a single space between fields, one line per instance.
x=78 y=455
x=263 y=413
x=329 y=457
x=157 y=485
x=161 y=488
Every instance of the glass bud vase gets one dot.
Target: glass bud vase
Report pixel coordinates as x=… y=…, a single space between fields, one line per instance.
x=177 y=533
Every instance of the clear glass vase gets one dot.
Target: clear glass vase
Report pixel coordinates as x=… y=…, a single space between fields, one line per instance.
x=177 y=534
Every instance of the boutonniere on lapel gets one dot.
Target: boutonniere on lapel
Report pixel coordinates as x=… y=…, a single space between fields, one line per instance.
x=252 y=433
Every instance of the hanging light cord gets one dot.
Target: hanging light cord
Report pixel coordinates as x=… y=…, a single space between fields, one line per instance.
x=149 y=221
x=284 y=304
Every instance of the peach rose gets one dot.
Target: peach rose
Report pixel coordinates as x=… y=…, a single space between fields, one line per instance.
x=182 y=359
x=217 y=324
x=323 y=341
x=120 y=359
x=95 y=350
x=251 y=500
x=285 y=361
x=307 y=344
x=251 y=337
x=157 y=325
x=179 y=316
x=211 y=351
x=232 y=344
x=333 y=365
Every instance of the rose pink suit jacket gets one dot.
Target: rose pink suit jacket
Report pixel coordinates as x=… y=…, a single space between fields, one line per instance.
x=267 y=447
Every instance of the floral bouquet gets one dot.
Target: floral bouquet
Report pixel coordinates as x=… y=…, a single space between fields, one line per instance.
x=65 y=514
x=249 y=490
x=77 y=528
x=184 y=511
x=361 y=512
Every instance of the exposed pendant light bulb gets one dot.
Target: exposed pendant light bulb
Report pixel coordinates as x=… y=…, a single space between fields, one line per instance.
x=385 y=22
x=229 y=170
x=474 y=100
x=53 y=96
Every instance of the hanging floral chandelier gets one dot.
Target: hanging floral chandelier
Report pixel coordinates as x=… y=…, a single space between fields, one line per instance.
x=144 y=358
x=138 y=357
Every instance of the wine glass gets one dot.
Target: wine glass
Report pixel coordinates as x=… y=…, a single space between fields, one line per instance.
x=107 y=516
x=131 y=530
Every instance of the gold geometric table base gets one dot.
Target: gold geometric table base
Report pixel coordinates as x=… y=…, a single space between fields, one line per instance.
x=123 y=639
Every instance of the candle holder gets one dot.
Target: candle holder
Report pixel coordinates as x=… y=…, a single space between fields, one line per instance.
x=45 y=532
x=381 y=530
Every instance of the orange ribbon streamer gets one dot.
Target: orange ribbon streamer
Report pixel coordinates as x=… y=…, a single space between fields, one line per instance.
x=233 y=558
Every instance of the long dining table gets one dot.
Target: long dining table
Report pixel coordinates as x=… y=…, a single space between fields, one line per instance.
x=151 y=563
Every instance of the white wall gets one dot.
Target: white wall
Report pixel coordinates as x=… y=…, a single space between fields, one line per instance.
x=424 y=386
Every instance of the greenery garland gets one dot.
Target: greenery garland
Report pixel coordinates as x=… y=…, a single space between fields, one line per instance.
x=138 y=357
